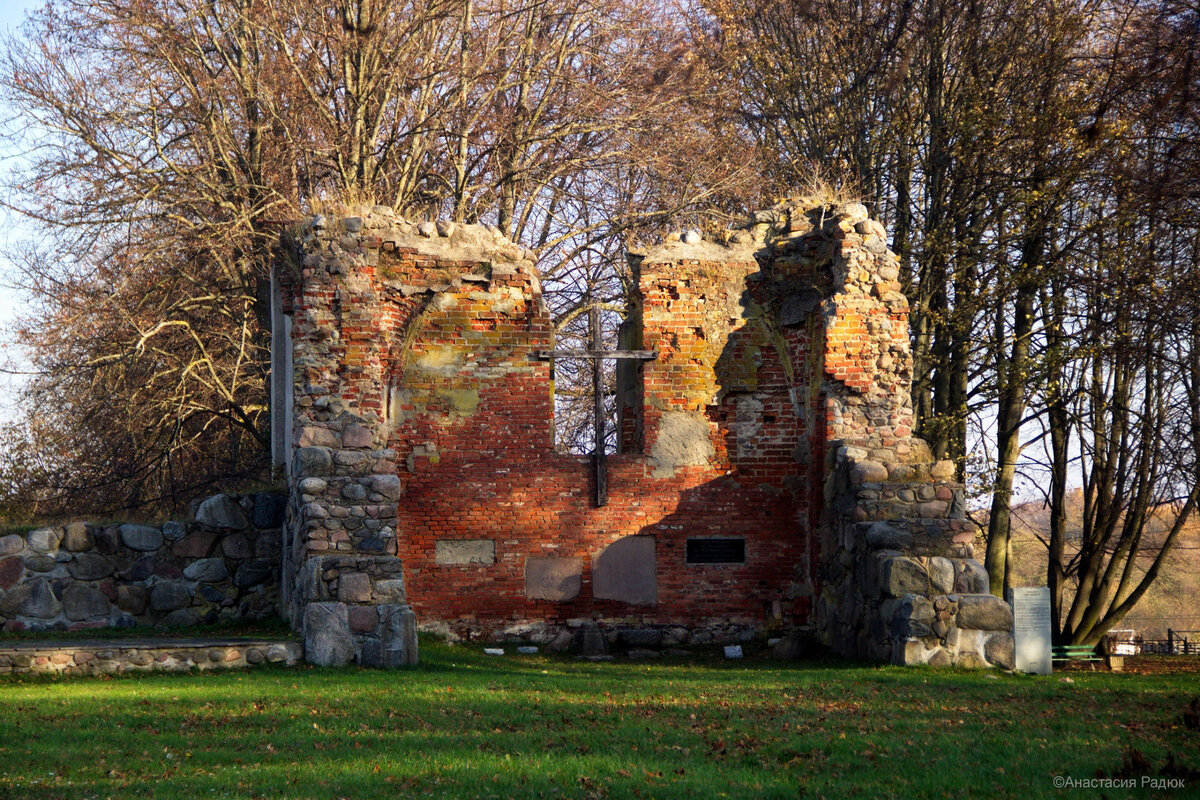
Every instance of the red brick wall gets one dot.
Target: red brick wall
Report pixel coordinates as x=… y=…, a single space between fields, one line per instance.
x=485 y=468
x=546 y=509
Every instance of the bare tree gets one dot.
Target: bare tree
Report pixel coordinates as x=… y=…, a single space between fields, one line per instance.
x=1001 y=142
x=166 y=142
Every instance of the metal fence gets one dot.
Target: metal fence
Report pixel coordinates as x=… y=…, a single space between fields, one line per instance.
x=1177 y=643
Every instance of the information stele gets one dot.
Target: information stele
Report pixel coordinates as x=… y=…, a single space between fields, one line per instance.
x=1031 y=628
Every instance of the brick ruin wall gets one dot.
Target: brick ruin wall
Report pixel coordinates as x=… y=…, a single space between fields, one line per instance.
x=775 y=419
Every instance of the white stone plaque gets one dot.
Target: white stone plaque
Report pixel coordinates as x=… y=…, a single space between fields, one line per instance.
x=1031 y=628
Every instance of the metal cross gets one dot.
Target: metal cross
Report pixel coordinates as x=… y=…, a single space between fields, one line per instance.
x=596 y=355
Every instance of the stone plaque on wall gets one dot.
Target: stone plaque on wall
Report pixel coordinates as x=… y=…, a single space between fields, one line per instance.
x=626 y=571
x=1031 y=628
x=552 y=578
x=464 y=551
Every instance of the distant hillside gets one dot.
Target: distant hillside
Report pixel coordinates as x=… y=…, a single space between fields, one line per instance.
x=1172 y=602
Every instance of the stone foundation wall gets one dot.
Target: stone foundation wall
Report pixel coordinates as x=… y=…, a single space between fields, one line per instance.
x=117 y=657
x=898 y=577
x=221 y=566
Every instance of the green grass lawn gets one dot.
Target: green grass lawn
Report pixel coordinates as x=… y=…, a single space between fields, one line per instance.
x=468 y=725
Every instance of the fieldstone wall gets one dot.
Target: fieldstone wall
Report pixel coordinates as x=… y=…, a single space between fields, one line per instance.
x=900 y=581
x=221 y=566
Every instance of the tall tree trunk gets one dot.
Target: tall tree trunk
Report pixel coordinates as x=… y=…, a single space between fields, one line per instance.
x=1010 y=410
x=1059 y=422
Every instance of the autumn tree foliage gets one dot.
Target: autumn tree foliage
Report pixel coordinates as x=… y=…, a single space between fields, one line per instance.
x=166 y=143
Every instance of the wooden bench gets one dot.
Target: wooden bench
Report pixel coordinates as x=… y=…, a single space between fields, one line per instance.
x=1074 y=652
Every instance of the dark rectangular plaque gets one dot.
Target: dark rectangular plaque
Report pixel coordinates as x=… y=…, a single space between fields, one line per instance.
x=716 y=551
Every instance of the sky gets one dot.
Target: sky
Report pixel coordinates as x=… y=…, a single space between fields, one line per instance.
x=12 y=12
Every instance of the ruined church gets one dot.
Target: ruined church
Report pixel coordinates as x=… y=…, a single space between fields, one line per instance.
x=766 y=480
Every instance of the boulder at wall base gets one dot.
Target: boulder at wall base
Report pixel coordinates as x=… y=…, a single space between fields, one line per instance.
x=34 y=599
x=194 y=545
x=11 y=569
x=214 y=594
x=206 y=570
x=44 y=540
x=237 y=546
x=588 y=641
x=77 y=538
x=399 y=636
x=1000 y=651
x=268 y=510
x=174 y=531
x=139 y=570
x=106 y=541
x=903 y=575
x=221 y=512
x=882 y=536
x=941 y=575
x=640 y=637
x=89 y=567
x=40 y=563
x=327 y=638
x=180 y=618
x=132 y=599
x=82 y=602
x=141 y=537
x=970 y=577
x=396 y=643
x=168 y=596
x=984 y=612
x=386 y=485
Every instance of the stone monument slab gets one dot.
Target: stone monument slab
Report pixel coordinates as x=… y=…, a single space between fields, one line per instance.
x=1031 y=628
x=551 y=578
x=465 y=551
x=626 y=571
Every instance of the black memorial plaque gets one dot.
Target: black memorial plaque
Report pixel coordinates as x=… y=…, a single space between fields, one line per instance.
x=716 y=551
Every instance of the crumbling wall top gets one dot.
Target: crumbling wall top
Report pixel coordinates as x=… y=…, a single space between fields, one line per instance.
x=345 y=239
x=769 y=233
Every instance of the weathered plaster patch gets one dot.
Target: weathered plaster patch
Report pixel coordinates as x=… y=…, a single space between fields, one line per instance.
x=396 y=413
x=749 y=423
x=683 y=441
x=553 y=578
x=442 y=361
x=462 y=401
